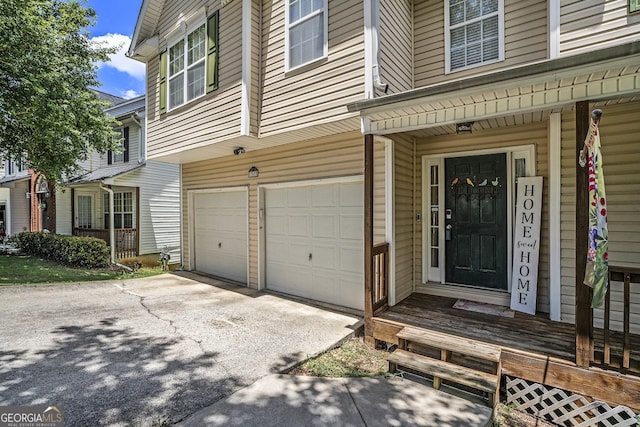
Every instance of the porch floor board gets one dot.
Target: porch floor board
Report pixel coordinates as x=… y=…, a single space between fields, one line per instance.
x=523 y=332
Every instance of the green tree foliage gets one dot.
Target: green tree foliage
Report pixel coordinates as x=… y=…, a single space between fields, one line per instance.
x=48 y=114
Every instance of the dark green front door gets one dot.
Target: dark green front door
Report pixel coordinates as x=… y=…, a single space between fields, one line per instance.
x=476 y=221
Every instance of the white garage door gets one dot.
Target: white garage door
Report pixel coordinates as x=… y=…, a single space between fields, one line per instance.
x=314 y=242
x=220 y=234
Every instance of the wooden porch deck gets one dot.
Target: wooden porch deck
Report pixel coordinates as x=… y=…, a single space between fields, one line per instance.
x=522 y=333
x=533 y=348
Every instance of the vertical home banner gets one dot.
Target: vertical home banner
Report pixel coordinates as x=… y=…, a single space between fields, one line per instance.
x=526 y=244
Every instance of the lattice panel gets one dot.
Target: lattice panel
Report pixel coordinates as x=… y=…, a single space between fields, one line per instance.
x=564 y=408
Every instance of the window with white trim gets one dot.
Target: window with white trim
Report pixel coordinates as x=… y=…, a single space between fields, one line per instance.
x=122 y=210
x=306 y=32
x=474 y=33
x=10 y=167
x=84 y=211
x=187 y=67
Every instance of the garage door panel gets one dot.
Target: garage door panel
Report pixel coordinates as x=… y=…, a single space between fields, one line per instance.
x=298 y=225
x=323 y=196
x=351 y=260
x=351 y=194
x=296 y=197
x=351 y=227
x=220 y=234
x=325 y=257
x=325 y=226
x=325 y=220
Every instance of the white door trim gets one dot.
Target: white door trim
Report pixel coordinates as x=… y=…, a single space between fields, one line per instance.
x=527 y=150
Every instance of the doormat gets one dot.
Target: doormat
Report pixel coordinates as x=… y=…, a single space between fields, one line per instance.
x=480 y=307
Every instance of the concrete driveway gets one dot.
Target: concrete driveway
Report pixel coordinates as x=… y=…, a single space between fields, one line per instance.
x=141 y=351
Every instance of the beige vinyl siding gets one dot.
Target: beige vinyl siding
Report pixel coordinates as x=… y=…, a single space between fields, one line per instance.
x=591 y=25
x=319 y=92
x=525 y=30
x=213 y=117
x=330 y=157
x=404 y=214
x=619 y=132
x=19 y=208
x=510 y=136
x=396 y=56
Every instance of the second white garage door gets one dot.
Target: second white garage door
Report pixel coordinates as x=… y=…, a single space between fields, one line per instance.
x=220 y=234
x=314 y=242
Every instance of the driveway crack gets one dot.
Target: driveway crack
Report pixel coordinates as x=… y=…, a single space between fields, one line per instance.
x=175 y=329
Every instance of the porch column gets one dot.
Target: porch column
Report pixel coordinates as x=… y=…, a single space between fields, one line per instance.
x=368 y=239
x=584 y=314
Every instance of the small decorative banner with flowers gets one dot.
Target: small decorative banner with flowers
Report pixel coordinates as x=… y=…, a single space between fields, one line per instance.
x=597 y=270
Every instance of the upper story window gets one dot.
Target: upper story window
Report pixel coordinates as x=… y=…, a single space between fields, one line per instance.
x=306 y=32
x=189 y=67
x=634 y=6
x=122 y=156
x=10 y=167
x=474 y=33
x=21 y=165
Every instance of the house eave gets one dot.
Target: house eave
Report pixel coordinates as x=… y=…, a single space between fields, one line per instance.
x=628 y=53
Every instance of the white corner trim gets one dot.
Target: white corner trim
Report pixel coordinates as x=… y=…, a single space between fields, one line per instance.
x=554 y=28
x=555 y=185
x=390 y=212
x=245 y=108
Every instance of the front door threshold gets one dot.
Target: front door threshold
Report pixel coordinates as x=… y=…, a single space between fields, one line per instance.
x=496 y=297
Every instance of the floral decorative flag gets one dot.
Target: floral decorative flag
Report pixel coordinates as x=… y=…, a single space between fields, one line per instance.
x=597 y=271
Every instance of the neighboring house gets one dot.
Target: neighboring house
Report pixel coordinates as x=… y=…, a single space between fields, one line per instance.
x=146 y=194
x=22 y=212
x=263 y=104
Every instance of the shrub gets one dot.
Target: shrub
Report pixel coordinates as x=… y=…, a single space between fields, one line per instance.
x=85 y=252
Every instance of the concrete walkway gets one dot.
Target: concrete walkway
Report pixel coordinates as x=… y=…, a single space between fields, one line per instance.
x=285 y=400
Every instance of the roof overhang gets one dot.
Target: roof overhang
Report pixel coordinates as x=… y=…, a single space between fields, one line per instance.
x=105 y=175
x=551 y=84
x=144 y=42
x=11 y=181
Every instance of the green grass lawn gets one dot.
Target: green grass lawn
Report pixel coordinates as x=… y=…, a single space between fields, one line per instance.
x=24 y=269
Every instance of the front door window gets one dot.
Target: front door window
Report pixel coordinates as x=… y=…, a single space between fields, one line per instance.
x=476 y=221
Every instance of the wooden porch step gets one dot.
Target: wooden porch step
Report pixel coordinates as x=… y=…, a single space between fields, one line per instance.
x=451 y=343
x=444 y=370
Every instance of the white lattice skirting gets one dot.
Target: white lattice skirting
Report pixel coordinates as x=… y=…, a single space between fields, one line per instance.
x=564 y=408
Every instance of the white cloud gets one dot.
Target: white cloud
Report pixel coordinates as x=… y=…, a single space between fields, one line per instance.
x=128 y=94
x=118 y=60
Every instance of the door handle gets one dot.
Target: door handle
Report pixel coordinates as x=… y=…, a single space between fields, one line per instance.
x=219 y=244
x=447 y=232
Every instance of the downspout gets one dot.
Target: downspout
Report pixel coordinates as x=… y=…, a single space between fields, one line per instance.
x=141 y=138
x=112 y=231
x=372 y=80
x=375 y=36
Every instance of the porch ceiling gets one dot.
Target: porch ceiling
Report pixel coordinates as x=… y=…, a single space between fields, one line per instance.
x=518 y=95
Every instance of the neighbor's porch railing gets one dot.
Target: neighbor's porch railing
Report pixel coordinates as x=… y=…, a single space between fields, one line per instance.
x=380 y=276
x=126 y=239
x=626 y=275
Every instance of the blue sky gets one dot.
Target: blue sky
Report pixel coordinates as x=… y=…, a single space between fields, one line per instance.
x=114 y=27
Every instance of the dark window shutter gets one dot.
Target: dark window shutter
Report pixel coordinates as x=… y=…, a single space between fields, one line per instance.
x=163 y=82
x=212 y=52
x=109 y=157
x=125 y=144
